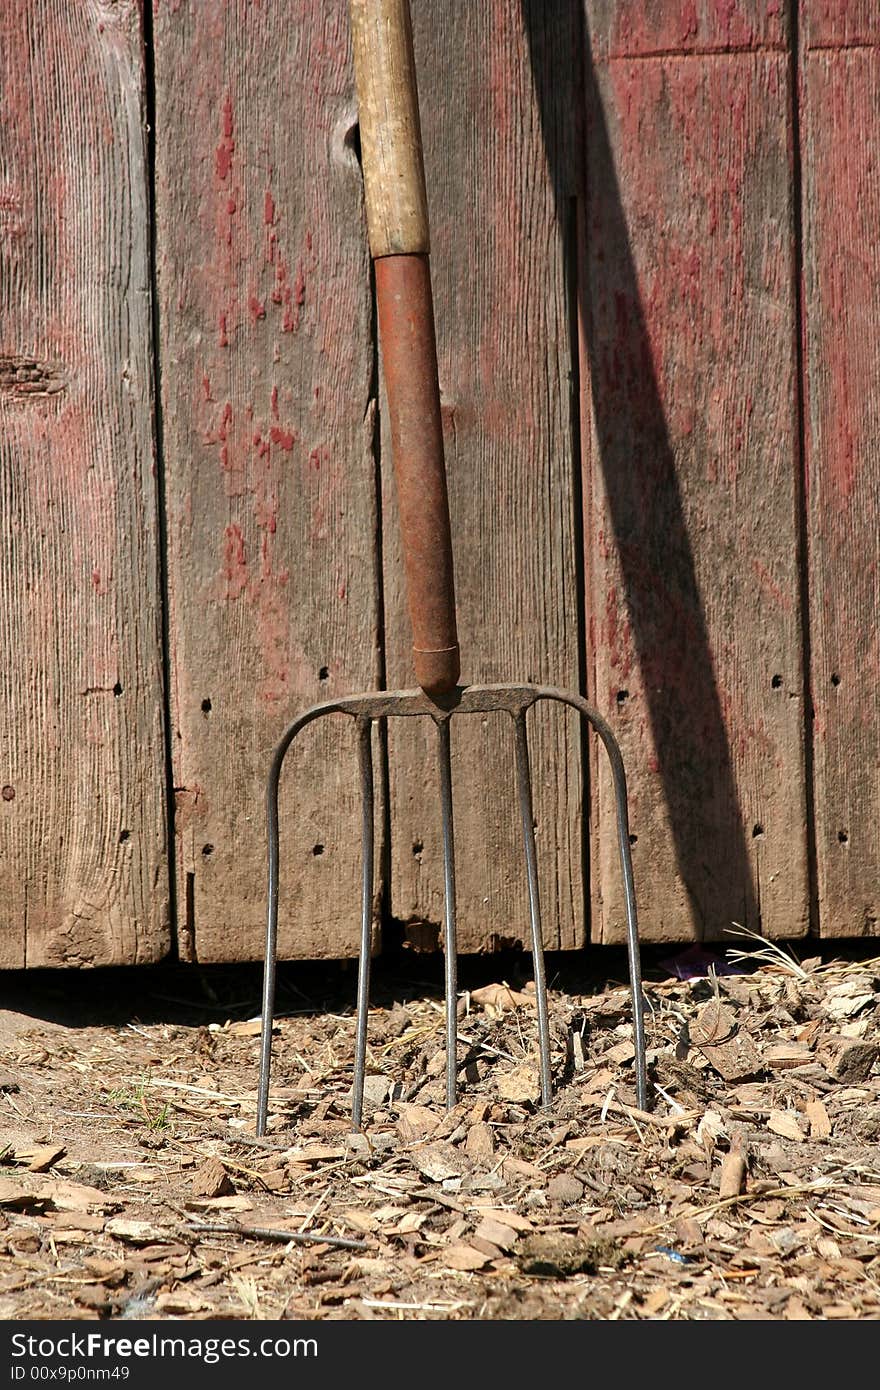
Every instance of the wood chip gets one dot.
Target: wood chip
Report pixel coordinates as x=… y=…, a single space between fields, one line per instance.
x=94 y=1296
x=654 y=1301
x=500 y=997
x=439 y=1161
x=717 y=1035
x=416 y=1122
x=246 y=1028
x=818 y=1118
x=180 y=1301
x=76 y=1196
x=39 y=1158
x=516 y=1169
x=565 y=1189
x=211 y=1180
x=315 y=1153
x=465 y=1258
x=522 y=1083
x=236 y=1203
x=104 y=1270
x=504 y=1237
x=14 y=1194
x=134 y=1232
x=733 y=1175
x=358 y=1220
x=783 y=1056
x=783 y=1122
x=480 y=1143
x=512 y=1219
x=849 y=1061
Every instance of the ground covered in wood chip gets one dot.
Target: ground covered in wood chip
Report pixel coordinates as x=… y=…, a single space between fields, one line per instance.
x=132 y=1183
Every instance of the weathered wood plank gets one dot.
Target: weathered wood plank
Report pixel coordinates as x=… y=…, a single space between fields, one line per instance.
x=639 y=28
x=691 y=449
x=837 y=24
x=498 y=261
x=83 y=873
x=266 y=371
x=841 y=183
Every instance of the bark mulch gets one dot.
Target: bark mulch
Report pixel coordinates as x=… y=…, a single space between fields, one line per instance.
x=132 y=1184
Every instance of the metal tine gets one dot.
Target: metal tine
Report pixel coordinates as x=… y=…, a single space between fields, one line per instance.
x=618 y=773
x=365 y=759
x=524 y=788
x=271 y=933
x=469 y=700
x=449 y=934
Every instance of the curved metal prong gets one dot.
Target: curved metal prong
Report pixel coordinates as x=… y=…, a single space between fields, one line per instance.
x=516 y=700
x=365 y=759
x=450 y=945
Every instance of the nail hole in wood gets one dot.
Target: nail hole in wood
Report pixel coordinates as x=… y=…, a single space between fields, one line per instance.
x=757 y=832
x=352 y=140
x=206 y=706
x=776 y=682
x=124 y=835
x=835 y=679
x=622 y=696
x=324 y=673
x=842 y=837
x=634 y=839
x=8 y=793
x=417 y=848
x=117 y=689
x=317 y=849
x=207 y=849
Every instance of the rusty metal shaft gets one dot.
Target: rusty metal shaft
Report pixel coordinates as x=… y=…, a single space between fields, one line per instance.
x=515 y=700
x=409 y=362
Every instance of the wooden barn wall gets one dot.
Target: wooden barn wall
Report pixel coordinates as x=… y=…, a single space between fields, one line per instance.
x=656 y=285
x=83 y=853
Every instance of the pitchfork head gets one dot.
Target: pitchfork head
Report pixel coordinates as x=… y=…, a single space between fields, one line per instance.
x=514 y=700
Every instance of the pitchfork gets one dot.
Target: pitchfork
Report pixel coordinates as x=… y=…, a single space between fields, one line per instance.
x=397 y=222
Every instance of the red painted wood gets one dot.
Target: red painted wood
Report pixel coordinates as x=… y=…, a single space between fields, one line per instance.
x=838 y=23
x=841 y=130
x=268 y=413
x=691 y=461
x=641 y=28
x=83 y=873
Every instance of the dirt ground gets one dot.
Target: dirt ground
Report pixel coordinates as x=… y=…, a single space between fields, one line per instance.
x=133 y=1185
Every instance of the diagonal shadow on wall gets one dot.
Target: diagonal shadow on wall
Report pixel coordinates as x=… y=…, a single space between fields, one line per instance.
x=662 y=599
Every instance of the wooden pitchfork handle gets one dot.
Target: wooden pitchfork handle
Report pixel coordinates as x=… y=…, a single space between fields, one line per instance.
x=397 y=222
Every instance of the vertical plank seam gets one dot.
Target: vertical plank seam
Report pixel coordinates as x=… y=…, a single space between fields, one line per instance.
x=800 y=329
x=572 y=257
x=383 y=858
x=149 y=64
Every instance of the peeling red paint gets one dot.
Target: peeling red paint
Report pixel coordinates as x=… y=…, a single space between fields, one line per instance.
x=256 y=309
x=283 y=438
x=299 y=287
x=226 y=148
x=235 y=569
x=268 y=209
